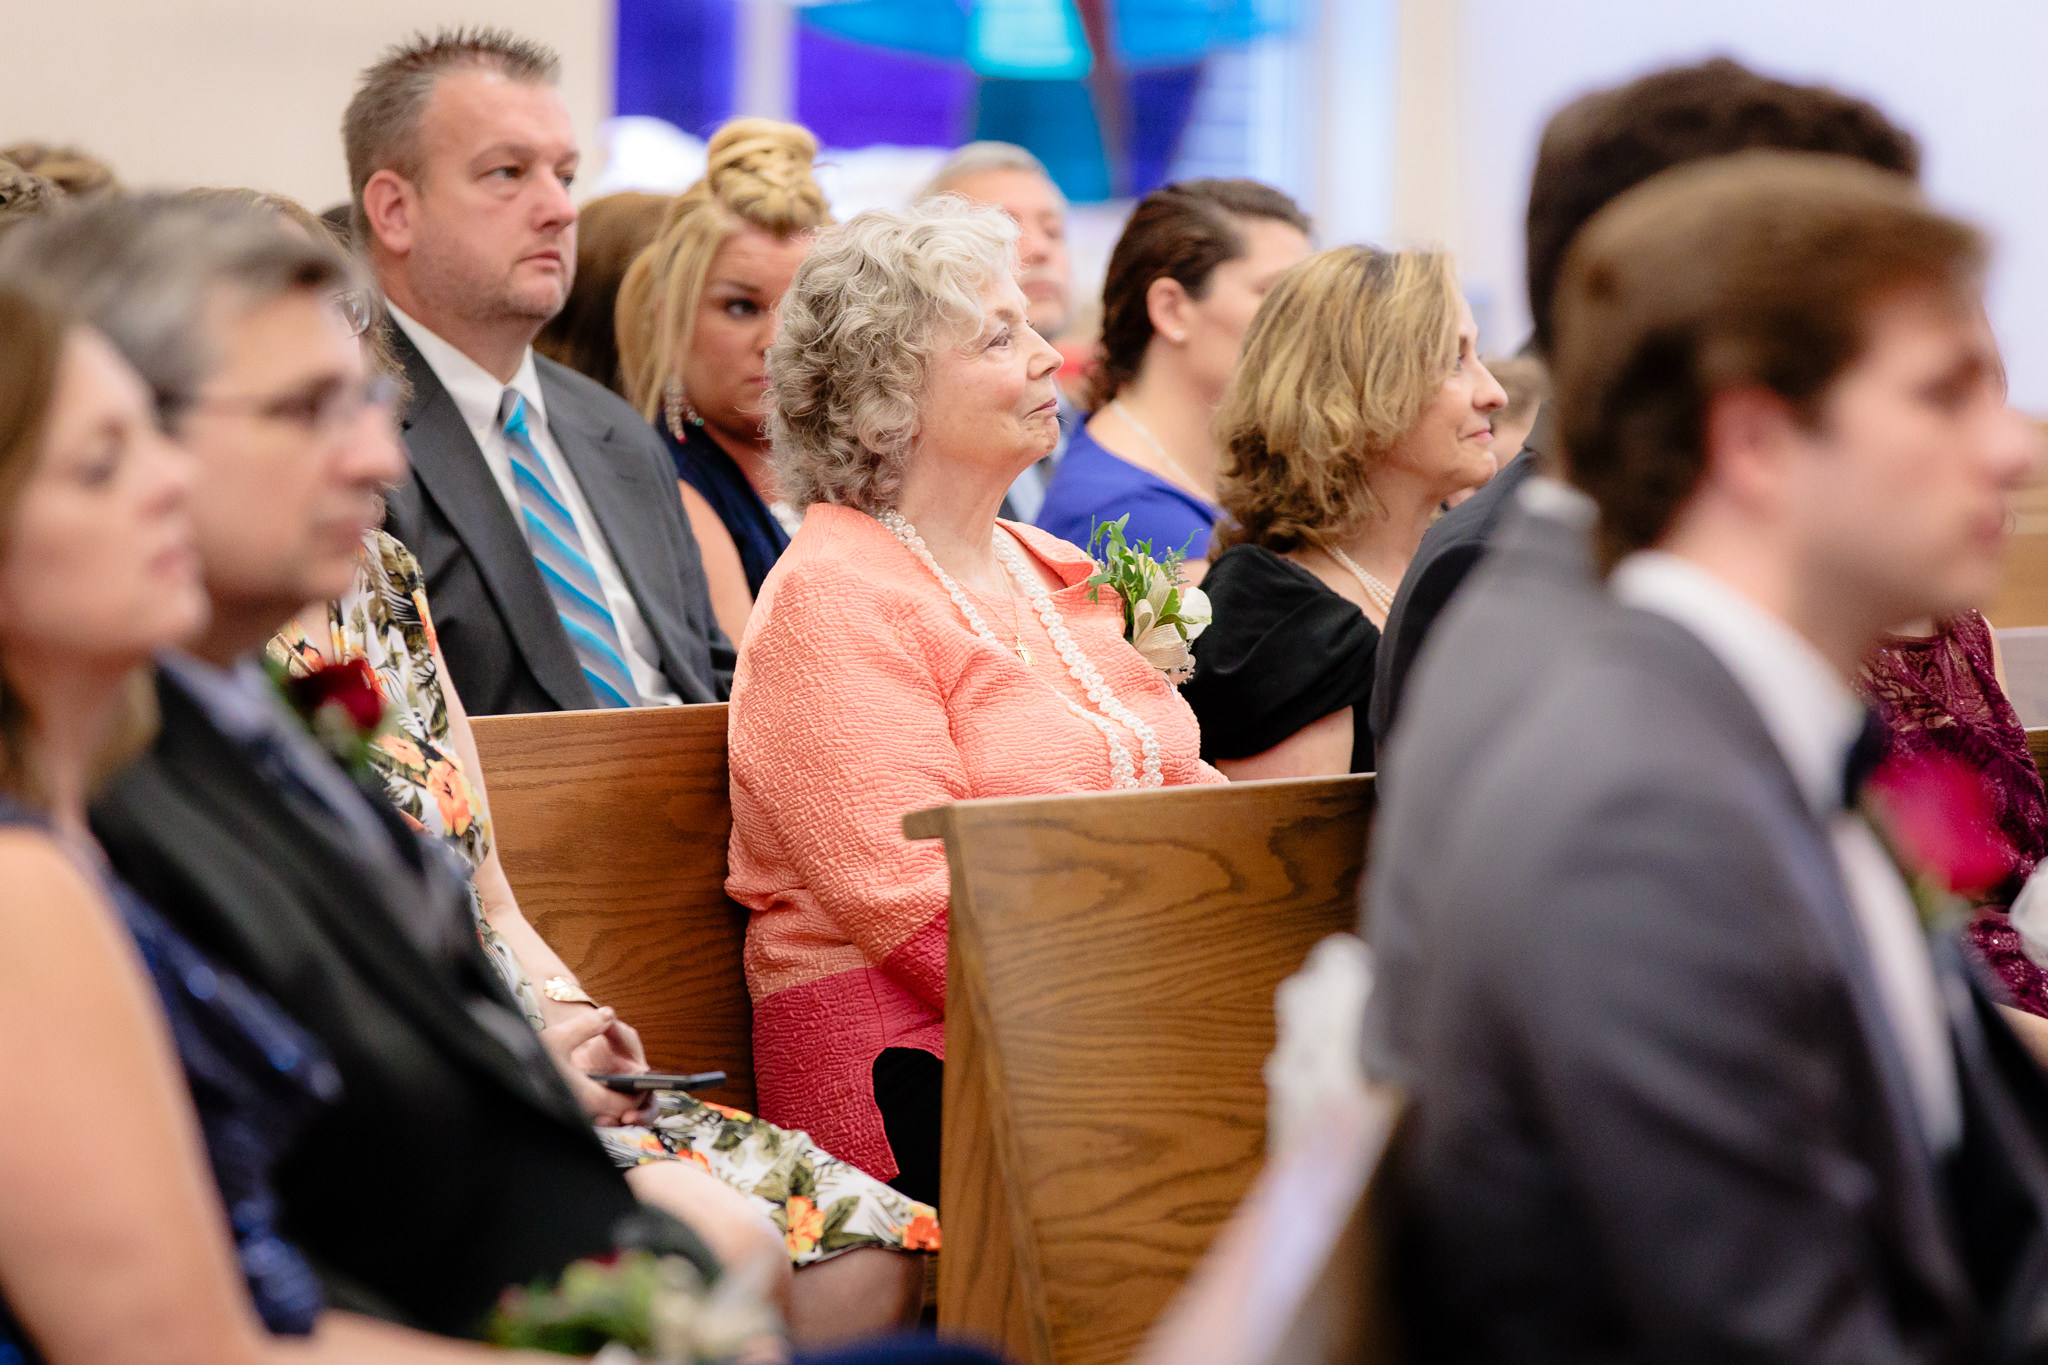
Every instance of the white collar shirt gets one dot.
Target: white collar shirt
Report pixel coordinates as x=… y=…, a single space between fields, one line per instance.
x=479 y=397
x=1814 y=718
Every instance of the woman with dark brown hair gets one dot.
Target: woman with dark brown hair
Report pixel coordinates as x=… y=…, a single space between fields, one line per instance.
x=1184 y=281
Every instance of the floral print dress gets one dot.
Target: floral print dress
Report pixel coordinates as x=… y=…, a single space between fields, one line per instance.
x=822 y=1205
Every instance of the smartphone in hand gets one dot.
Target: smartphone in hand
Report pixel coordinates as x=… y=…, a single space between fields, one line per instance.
x=641 y=1082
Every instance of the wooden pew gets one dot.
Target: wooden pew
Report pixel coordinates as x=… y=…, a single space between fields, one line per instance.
x=1110 y=983
x=2037 y=744
x=612 y=826
x=1298 y=1277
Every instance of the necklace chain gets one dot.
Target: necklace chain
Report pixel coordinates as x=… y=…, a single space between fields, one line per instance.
x=1180 y=471
x=1122 y=772
x=1376 y=590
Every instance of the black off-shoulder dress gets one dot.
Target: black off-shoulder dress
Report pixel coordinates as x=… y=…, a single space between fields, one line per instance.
x=1284 y=650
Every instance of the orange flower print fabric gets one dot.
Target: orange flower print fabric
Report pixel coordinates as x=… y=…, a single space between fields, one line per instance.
x=824 y=1206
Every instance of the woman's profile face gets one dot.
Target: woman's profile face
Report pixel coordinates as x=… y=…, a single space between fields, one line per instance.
x=726 y=370
x=1451 y=443
x=99 y=563
x=1217 y=321
x=990 y=403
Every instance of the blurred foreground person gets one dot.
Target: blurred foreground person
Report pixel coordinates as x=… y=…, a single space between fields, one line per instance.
x=455 y=1161
x=113 y=1249
x=1694 y=1082
x=1527 y=530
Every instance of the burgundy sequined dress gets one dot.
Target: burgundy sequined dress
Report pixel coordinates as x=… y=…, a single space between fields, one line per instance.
x=1939 y=693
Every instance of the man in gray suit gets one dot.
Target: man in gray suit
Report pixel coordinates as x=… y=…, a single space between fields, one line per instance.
x=1692 y=1082
x=543 y=510
x=1506 y=626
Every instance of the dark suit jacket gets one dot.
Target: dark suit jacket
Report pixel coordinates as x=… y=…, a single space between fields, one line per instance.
x=1659 y=1115
x=1449 y=551
x=457 y=1162
x=505 y=645
x=1491 y=652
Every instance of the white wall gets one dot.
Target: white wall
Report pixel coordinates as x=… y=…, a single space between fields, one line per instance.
x=1963 y=75
x=246 y=92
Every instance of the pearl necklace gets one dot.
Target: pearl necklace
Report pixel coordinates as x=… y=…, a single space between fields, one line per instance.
x=1122 y=772
x=1376 y=591
x=1188 y=481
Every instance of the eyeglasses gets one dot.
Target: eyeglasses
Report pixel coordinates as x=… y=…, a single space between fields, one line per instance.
x=320 y=409
x=358 y=308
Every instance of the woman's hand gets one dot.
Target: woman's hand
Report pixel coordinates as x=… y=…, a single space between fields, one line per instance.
x=584 y=1043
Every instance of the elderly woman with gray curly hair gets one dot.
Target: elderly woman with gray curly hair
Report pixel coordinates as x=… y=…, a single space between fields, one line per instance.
x=908 y=650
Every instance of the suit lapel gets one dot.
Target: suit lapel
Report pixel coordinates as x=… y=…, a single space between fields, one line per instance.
x=357 y=906
x=1926 y=1229
x=622 y=493
x=452 y=470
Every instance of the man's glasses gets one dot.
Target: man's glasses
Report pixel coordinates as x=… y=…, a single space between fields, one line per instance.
x=320 y=409
x=358 y=308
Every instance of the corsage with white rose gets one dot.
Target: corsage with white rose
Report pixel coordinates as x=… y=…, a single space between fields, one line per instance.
x=1163 y=615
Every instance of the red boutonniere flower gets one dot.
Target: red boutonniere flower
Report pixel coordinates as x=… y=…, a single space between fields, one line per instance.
x=1937 y=819
x=342 y=706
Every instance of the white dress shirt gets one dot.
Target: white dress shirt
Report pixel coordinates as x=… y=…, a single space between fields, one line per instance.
x=1814 y=718
x=478 y=397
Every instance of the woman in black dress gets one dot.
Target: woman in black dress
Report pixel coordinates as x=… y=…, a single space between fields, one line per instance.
x=1359 y=405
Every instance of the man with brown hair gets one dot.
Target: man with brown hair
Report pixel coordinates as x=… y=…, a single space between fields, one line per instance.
x=1692 y=1083
x=1521 y=541
x=541 y=507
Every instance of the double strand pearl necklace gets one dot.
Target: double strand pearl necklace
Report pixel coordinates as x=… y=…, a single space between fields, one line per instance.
x=1122 y=772
x=1376 y=591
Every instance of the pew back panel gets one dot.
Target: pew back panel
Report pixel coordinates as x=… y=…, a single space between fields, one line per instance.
x=612 y=826
x=1111 y=974
x=1299 y=1277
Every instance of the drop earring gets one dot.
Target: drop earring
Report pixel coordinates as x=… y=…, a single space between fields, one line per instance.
x=675 y=402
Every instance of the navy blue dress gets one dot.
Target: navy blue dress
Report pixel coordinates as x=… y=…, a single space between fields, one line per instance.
x=703 y=464
x=256 y=1080
x=1091 y=486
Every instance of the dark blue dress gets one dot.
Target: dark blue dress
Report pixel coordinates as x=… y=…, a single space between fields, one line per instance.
x=1091 y=485
x=256 y=1080
x=703 y=464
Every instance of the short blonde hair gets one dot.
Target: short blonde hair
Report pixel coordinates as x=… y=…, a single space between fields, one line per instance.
x=1343 y=356
x=757 y=174
x=870 y=307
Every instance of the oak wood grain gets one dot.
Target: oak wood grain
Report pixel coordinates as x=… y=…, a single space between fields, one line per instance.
x=1298 y=1276
x=1117 y=956
x=2037 y=745
x=612 y=826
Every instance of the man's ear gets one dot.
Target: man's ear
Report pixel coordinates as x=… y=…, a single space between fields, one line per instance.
x=390 y=206
x=1749 y=435
x=1167 y=304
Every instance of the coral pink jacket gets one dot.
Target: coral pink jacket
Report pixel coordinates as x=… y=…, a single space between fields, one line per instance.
x=863 y=694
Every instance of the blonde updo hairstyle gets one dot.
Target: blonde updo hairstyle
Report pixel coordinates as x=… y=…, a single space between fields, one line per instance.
x=758 y=175
x=1342 y=358
x=876 y=300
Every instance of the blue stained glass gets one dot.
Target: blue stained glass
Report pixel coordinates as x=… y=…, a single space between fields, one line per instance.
x=675 y=60
x=1027 y=40
x=854 y=95
x=935 y=28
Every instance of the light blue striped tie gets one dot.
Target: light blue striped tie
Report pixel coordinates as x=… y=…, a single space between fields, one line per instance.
x=564 y=565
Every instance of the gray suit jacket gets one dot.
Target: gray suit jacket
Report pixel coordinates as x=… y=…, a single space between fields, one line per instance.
x=1489 y=653
x=504 y=642
x=1659 y=1115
